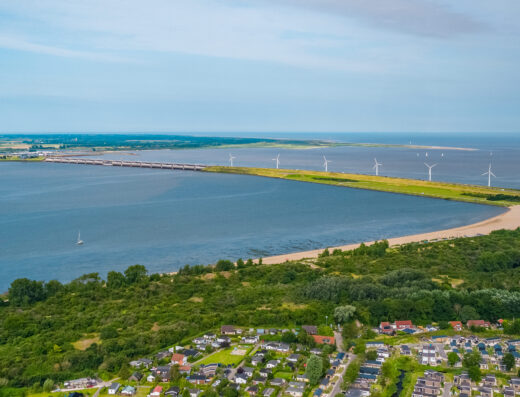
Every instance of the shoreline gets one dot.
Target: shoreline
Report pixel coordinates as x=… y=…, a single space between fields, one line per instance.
x=509 y=220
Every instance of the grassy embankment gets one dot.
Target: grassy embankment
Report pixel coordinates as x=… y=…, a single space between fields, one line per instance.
x=16 y=158
x=443 y=190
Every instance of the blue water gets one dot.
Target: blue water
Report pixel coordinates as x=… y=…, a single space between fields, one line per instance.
x=165 y=219
x=501 y=150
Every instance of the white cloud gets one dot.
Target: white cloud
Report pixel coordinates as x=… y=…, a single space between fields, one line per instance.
x=16 y=43
x=196 y=27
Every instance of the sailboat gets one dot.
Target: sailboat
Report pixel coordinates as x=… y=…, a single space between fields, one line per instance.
x=80 y=241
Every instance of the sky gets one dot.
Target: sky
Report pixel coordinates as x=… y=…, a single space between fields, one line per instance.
x=259 y=66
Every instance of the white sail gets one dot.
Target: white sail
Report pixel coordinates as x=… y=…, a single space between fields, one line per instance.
x=80 y=241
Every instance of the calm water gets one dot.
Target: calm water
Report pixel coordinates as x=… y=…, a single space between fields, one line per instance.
x=165 y=219
x=503 y=151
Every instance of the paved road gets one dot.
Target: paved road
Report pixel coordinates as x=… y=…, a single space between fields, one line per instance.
x=337 y=387
x=104 y=384
x=339 y=341
x=447 y=389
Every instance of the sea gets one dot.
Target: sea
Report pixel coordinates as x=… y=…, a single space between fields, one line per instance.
x=165 y=219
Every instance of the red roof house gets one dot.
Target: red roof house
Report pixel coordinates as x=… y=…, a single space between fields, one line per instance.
x=400 y=325
x=456 y=325
x=323 y=340
x=157 y=390
x=477 y=323
x=386 y=328
x=179 y=359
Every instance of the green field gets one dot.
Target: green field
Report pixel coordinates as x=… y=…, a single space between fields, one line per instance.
x=16 y=158
x=443 y=190
x=86 y=392
x=223 y=357
x=284 y=375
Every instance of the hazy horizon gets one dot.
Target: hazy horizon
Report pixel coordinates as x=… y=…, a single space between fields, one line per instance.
x=259 y=66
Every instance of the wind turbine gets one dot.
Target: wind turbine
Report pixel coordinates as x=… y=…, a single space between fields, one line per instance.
x=326 y=163
x=231 y=158
x=376 y=166
x=489 y=174
x=277 y=159
x=430 y=170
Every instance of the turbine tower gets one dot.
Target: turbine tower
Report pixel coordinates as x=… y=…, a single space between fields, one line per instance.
x=489 y=174
x=326 y=163
x=231 y=158
x=277 y=159
x=430 y=171
x=376 y=166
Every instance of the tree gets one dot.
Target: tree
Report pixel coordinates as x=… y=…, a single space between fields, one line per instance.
x=453 y=358
x=48 y=385
x=512 y=327
x=371 y=355
x=175 y=375
x=343 y=314
x=115 y=280
x=240 y=263
x=350 y=330
x=135 y=274
x=224 y=265
x=359 y=348
x=352 y=371
x=509 y=361
x=109 y=332
x=444 y=325
x=52 y=288
x=25 y=292
x=314 y=369
x=474 y=374
x=468 y=313
x=472 y=359
x=305 y=339
x=228 y=392
x=325 y=253
x=289 y=337
x=124 y=372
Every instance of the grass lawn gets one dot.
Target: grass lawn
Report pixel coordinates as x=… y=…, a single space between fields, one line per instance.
x=87 y=392
x=223 y=357
x=448 y=191
x=284 y=375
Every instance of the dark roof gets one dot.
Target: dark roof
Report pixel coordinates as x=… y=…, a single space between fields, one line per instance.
x=227 y=328
x=369 y=370
x=174 y=390
x=197 y=377
x=310 y=329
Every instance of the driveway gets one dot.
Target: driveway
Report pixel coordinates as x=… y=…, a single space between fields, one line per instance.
x=337 y=387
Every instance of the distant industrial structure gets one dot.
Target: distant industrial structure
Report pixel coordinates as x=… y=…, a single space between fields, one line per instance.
x=121 y=163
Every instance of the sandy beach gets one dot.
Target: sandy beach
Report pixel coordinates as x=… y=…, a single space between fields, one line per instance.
x=509 y=220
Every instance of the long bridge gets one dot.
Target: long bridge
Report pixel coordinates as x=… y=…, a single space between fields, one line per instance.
x=120 y=163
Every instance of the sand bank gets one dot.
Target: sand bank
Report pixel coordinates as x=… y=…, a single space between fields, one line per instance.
x=509 y=220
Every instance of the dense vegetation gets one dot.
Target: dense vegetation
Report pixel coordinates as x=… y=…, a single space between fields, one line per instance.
x=415 y=187
x=93 y=326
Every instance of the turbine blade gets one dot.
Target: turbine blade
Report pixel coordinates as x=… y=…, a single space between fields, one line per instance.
x=493 y=175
